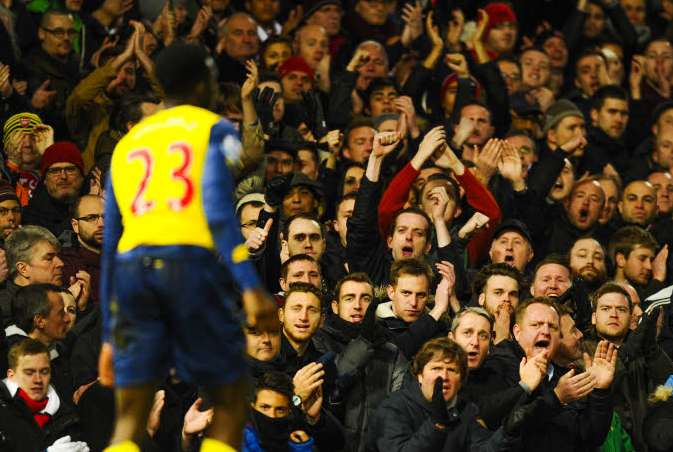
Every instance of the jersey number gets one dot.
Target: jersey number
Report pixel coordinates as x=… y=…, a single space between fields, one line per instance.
x=141 y=206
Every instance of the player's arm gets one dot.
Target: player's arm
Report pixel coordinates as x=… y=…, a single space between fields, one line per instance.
x=217 y=188
x=111 y=235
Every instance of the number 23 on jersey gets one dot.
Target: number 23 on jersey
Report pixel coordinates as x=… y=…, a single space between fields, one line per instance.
x=180 y=173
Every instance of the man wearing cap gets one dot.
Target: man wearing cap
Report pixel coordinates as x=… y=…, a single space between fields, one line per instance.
x=512 y=245
x=62 y=170
x=296 y=78
x=327 y=14
x=25 y=138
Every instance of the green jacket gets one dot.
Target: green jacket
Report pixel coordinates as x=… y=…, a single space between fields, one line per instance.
x=617 y=440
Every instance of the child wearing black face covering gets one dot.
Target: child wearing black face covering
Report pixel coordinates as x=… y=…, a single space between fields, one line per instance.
x=272 y=426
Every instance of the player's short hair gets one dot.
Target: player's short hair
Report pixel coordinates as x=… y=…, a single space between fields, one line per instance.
x=411 y=267
x=19 y=245
x=440 y=348
x=455 y=323
x=181 y=67
x=27 y=347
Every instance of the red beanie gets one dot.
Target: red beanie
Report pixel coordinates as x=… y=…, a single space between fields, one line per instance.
x=62 y=151
x=498 y=13
x=295 y=63
x=453 y=78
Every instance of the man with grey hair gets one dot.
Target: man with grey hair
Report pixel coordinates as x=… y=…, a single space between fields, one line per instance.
x=237 y=42
x=32 y=258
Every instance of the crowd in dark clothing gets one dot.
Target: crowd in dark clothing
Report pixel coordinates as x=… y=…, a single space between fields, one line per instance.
x=463 y=209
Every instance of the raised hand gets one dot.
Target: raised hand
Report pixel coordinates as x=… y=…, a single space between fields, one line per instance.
x=405 y=106
x=360 y=57
x=432 y=141
x=575 y=145
x=196 y=421
x=455 y=29
x=308 y=379
x=80 y=288
x=43 y=96
x=433 y=31
x=200 y=25
x=571 y=387
x=473 y=225
x=44 y=137
x=6 y=88
x=251 y=81
x=385 y=143
x=509 y=165
x=604 y=364
x=488 y=158
x=293 y=20
x=659 y=264
x=503 y=323
x=458 y=64
x=531 y=371
x=636 y=75
x=257 y=237
x=440 y=199
x=412 y=15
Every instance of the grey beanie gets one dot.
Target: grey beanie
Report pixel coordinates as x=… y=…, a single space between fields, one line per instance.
x=559 y=110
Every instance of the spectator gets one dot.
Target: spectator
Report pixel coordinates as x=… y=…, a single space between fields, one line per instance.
x=33 y=415
x=497 y=288
x=62 y=172
x=238 y=42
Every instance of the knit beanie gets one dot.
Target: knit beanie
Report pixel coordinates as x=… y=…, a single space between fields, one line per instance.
x=24 y=122
x=59 y=152
x=559 y=110
x=7 y=193
x=498 y=13
x=295 y=63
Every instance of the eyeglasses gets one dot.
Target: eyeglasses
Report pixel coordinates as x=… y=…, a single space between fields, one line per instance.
x=14 y=210
x=94 y=217
x=66 y=170
x=61 y=32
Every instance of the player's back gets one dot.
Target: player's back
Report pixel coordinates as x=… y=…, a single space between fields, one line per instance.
x=157 y=173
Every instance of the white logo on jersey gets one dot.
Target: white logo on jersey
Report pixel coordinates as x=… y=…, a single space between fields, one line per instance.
x=232 y=149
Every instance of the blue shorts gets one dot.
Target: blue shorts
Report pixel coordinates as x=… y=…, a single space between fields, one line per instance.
x=175 y=307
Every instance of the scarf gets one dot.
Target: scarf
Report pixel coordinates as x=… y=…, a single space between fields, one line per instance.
x=35 y=408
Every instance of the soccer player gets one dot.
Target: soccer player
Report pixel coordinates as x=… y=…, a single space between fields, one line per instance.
x=174 y=256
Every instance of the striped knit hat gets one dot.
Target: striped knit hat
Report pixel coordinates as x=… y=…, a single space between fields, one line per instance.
x=21 y=121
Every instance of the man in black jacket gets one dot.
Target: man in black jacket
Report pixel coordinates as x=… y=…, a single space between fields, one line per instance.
x=563 y=420
x=32 y=416
x=369 y=364
x=428 y=414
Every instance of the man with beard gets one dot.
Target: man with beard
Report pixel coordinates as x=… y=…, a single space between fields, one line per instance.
x=84 y=255
x=497 y=287
x=10 y=211
x=569 y=350
x=557 y=426
x=62 y=171
x=632 y=250
x=587 y=261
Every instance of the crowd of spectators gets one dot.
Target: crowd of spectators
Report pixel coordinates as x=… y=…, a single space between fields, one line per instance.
x=464 y=209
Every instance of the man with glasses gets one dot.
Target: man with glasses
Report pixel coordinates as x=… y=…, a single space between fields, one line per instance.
x=53 y=69
x=83 y=256
x=62 y=172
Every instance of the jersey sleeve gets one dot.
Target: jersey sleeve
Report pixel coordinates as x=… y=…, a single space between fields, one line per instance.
x=224 y=148
x=111 y=235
